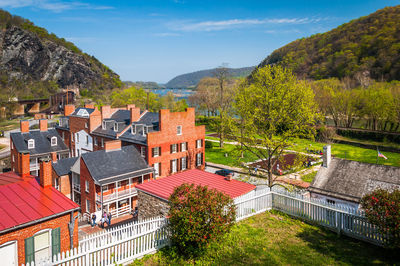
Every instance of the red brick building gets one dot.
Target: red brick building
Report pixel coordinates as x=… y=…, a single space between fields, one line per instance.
x=168 y=141
x=28 y=147
x=36 y=218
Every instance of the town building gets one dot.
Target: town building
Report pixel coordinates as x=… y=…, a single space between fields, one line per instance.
x=37 y=221
x=168 y=141
x=28 y=147
x=153 y=196
x=62 y=175
x=105 y=180
x=345 y=182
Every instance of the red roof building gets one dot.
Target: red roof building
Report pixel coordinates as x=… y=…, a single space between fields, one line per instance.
x=153 y=196
x=35 y=218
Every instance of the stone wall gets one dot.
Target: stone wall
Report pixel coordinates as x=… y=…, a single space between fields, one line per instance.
x=150 y=206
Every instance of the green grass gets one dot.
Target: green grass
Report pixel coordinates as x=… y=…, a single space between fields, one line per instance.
x=370 y=142
x=217 y=155
x=309 y=177
x=9 y=124
x=338 y=150
x=273 y=238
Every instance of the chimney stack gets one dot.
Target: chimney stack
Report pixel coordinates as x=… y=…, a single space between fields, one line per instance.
x=135 y=114
x=89 y=105
x=43 y=124
x=24 y=126
x=112 y=145
x=69 y=109
x=326 y=156
x=45 y=176
x=53 y=156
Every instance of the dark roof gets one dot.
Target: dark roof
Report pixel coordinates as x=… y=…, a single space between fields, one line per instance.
x=42 y=141
x=110 y=166
x=89 y=110
x=351 y=180
x=164 y=187
x=149 y=118
x=63 y=166
x=121 y=116
x=25 y=202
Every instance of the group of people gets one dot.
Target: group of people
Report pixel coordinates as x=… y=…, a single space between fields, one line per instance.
x=106 y=218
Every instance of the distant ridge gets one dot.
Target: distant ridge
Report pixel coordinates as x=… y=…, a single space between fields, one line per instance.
x=190 y=80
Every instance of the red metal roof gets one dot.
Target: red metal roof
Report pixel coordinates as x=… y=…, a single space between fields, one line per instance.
x=9 y=178
x=164 y=187
x=26 y=201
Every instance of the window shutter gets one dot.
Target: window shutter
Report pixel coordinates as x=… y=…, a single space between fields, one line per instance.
x=201 y=163
x=55 y=241
x=152 y=152
x=29 y=250
x=170 y=148
x=159 y=169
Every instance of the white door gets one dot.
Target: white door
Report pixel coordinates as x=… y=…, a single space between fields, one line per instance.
x=8 y=254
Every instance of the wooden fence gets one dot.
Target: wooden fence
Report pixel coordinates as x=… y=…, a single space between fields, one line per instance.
x=133 y=240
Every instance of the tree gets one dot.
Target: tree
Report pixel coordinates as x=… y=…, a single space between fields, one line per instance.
x=382 y=208
x=197 y=216
x=270 y=111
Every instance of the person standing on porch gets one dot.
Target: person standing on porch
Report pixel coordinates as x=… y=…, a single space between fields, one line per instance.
x=93 y=220
x=109 y=218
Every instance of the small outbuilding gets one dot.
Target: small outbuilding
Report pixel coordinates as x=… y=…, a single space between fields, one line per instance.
x=153 y=196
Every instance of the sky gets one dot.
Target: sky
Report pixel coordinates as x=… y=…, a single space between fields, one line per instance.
x=156 y=40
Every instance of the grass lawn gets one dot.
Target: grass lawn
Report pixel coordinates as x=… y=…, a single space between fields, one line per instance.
x=273 y=238
x=217 y=155
x=309 y=177
x=338 y=150
x=9 y=124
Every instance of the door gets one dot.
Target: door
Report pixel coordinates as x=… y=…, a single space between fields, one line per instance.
x=8 y=254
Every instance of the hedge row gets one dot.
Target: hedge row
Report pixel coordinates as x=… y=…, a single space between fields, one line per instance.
x=369 y=135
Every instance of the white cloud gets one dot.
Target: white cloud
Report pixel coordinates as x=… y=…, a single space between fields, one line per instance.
x=235 y=23
x=55 y=6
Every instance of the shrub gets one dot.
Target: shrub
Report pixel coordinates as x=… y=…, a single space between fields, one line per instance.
x=197 y=216
x=208 y=144
x=382 y=208
x=325 y=134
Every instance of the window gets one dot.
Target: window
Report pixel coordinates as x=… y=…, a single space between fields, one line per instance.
x=105 y=188
x=156 y=167
x=86 y=125
x=115 y=126
x=77 y=138
x=31 y=144
x=42 y=245
x=72 y=137
x=179 y=130
x=174 y=166
x=103 y=125
x=57 y=183
x=174 y=148
x=102 y=142
x=87 y=140
x=184 y=146
x=54 y=141
x=156 y=151
x=95 y=141
x=199 y=159
x=199 y=143
x=183 y=163
x=86 y=186
x=9 y=253
x=133 y=129
x=87 y=206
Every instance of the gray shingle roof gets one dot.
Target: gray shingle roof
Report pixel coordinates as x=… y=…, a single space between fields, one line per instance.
x=42 y=141
x=351 y=180
x=110 y=166
x=63 y=166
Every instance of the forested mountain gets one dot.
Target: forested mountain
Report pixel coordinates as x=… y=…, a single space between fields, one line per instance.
x=34 y=62
x=143 y=84
x=368 y=46
x=190 y=80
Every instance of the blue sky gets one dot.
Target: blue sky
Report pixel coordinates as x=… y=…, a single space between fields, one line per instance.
x=153 y=40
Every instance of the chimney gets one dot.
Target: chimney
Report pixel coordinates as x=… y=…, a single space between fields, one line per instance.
x=89 y=105
x=112 y=145
x=129 y=106
x=69 y=109
x=43 y=124
x=135 y=114
x=24 y=165
x=326 y=156
x=163 y=118
x=45 y=176
x=24 y=126
x=53 y=156
x=105 y=112
x=229 y=177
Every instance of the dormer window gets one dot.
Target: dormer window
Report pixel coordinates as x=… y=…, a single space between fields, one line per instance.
x=103 y=126
x=31 y=144
x=145 y=130
x=115 y=126
x=133 y=129
x=54 y=141
x=179 y=130
x=83 y=112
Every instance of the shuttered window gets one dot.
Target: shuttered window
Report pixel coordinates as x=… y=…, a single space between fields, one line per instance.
x=29 y=250
x=55 y=241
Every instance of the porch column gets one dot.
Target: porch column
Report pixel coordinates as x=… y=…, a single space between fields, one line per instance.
x=116 y=196
x=142 y=179
x=101 y=198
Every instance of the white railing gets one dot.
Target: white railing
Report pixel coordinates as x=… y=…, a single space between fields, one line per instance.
x=77 y=187
x=130 y=241
x=33 y=166
x=117 y=195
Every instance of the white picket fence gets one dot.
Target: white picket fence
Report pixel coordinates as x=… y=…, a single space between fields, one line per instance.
x=130 y=241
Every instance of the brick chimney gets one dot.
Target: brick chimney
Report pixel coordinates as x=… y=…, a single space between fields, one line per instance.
x=23 y=167
x=43 y=124
x=326 y=158
x=69 y=109
x=24 y=126
x=129 y=106
x=163 y=118
x=89 y=105
x=45 y=176
x=135 y=114
x=106 y=112
x=53 y=156
x=112 y=145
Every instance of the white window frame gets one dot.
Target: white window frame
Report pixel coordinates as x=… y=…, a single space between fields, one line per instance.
x=57 y=183
x=199 y=143
x=184 y=146
x=156 y=154
x=174 y=166
x=77 y=138
x=12 y=242
x=179 y=130
x=49 y=247
x=115 y=127
x=198 y=159
x=174 y=150
x=87 y=139
x=87 y=205
x=183 y=159
x=95 y=140
x=133 y=129
x=102 y=142
x=143 y=151
x=156 y=167
x=72 y=137
x=86 y=185
x=86 y=125
x=31 y=144
x=103 y=125
x=54 y=141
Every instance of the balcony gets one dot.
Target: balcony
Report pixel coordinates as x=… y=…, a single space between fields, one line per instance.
x=33 y=166
x=117 y=194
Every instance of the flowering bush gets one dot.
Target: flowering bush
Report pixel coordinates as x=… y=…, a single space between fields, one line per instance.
x=197 y=216
x=382 y=208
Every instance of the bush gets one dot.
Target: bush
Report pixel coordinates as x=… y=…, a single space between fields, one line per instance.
x=325 y=134
x=197 y=216
x=382 y=208
x=208 y=144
